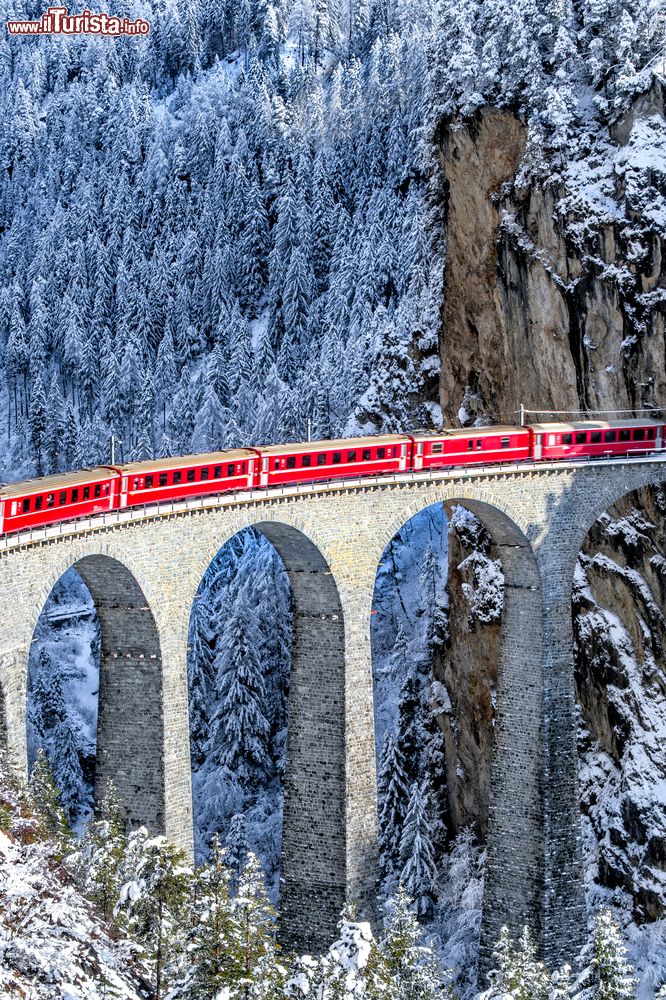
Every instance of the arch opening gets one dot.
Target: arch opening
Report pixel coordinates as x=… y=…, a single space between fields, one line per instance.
x=458 y=673
x=619 y=641
x=268 y=608
x=94 y=699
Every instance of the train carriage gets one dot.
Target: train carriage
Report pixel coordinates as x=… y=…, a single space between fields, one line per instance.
x=470 y=446
x=186 y=476
x=595 y=439
x=313 y=460
x=50 y=499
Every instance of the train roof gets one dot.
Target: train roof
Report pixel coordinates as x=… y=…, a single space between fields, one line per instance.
x=468 y=431
x=48 y=484
x=302 y=446
x=186 y=461
x=599 y=425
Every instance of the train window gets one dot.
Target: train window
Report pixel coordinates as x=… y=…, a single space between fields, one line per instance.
x=204 y=473
x=62 y=499
x=26 y=505
x=567 y=439
x=244 y=468
x=595 y=437
x=639 y=434
x=231 y=468
x=437 y=448
x=291 y=462
x=470 y=446
x=505 y=442
x=177 y=476
x=98 y=490
x=479 y=444
x=581 y=437
x=276 y=464
x=86 y=493
x=14 y=507
x=625 y=434
x=163 y=479
x=107 y=489
x=38 y=503
x=337 y=457
x=381 y=452
x=351 y=456
x=75 y=496
x=217 y=472
x=191 y=473
x=306 y=461
x=321 y=459
x=135 y=483
x=609 y=436
x=365 y=454
x=650 y=432
x=50 y=499
x=149 y=482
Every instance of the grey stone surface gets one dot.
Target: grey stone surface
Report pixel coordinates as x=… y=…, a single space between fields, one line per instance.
x=143 y=576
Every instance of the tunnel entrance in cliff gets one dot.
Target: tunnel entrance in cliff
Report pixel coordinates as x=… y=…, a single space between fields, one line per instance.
x=436 y=652
x=619 y=625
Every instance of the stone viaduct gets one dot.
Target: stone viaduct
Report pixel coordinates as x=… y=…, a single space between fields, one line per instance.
x=143 y=569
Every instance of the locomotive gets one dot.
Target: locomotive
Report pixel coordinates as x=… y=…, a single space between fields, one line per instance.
x=62 y=497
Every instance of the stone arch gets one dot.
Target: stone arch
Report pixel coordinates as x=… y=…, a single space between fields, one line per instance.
x=130 y=729
x=606 y=496
x=314 y=852
x=514 y=885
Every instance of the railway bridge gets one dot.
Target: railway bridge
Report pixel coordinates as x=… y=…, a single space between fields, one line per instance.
x=143 y=568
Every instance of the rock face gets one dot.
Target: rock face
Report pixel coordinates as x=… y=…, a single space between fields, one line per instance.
x=468 y=669
x=620 y=649
x=555 y=296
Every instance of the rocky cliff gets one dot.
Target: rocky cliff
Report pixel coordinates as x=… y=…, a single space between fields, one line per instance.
x=556 y=297
x=555 y=291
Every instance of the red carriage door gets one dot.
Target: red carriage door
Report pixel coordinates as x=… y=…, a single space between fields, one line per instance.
x=418 y=457
x=123 y=493
x=403 y=457
x=537 y=446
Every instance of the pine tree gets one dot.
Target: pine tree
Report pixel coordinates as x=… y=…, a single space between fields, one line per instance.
x=393 y=803
x=236 y=848
x=612 y=971
x=410 y=968
x=416 y=852
x=102 y=852
x=44 y=794
x=53 y=432
x=66 y=767
x=517 y=971
x=151 y=903
x=214 y=961
x=37 y=420
x=240 y=731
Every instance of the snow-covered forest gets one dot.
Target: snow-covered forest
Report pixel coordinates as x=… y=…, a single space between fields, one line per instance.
x=208 y=238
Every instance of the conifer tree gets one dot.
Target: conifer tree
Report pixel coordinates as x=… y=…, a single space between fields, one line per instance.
x=213 y=938
x=416 y=852
x=394 y=801
x=44 y=794
x=53 y=431
x=614 y=976
x=102 y=852
x=37 y=420
x=151 y=902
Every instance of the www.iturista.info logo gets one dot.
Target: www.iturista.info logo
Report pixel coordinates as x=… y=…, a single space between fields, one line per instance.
x=58 y=21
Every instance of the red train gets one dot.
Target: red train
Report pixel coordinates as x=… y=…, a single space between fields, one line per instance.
x=79 y=494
